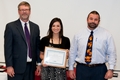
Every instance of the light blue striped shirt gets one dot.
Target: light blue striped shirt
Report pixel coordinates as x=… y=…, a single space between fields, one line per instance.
x=103 y=49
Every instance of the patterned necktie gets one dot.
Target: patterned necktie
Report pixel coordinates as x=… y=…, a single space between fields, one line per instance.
x=88 y=54
x=27 y=35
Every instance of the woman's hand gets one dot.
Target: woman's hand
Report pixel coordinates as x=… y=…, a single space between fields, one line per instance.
x=67 y=53
x=44 y=65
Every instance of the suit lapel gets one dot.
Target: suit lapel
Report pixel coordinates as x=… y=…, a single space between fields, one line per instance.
x=20 y=29
x=31 y=31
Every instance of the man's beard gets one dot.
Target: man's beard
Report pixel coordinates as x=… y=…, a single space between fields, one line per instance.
x=25 y=17
x=92 y=25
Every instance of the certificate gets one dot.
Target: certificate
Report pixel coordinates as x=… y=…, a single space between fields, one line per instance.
x=55 y=57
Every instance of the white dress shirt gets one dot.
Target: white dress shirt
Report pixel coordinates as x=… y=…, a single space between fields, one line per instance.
x=103 y=49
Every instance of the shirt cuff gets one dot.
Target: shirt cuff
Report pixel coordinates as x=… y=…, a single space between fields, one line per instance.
x=71 y=68
x=111 y=67
x=38 y=64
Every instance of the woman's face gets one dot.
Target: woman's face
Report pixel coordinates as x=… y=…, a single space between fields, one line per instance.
x=56 y=27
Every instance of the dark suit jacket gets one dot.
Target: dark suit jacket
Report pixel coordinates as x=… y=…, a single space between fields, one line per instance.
x=15 y=46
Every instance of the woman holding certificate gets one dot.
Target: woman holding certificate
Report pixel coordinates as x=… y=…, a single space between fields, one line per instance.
x=55 y=39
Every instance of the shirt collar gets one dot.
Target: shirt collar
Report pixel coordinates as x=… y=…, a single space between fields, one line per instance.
x=96 y=29
x=23 y=23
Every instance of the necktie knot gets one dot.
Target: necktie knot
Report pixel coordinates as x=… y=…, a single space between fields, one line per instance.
x=91 y=32
x=25 y=24
x=25 y=27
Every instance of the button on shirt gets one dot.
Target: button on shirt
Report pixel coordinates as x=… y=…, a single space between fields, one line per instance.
x=103 y=49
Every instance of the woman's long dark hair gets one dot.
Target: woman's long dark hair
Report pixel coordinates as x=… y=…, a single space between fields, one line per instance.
x=50 y=32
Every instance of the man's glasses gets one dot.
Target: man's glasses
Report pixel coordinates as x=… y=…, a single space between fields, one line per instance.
x=24 y=9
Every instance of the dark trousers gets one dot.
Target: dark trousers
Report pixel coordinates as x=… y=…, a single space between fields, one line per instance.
x=27 y=75
x=84 y=72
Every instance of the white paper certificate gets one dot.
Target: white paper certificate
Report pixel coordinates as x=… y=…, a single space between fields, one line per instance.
x=55 y=57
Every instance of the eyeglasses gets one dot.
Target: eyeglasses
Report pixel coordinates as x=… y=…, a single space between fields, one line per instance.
x=24 y=9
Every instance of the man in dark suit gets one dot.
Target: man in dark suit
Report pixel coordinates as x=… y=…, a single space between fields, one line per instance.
x=21 y=46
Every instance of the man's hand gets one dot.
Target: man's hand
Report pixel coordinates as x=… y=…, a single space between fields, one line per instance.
x=72 y=74
x=10 y=71
x=109 y=74
x=38 y=70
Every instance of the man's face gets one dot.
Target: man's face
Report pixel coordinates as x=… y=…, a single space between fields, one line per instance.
x=93 y=21
x=24 y=12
